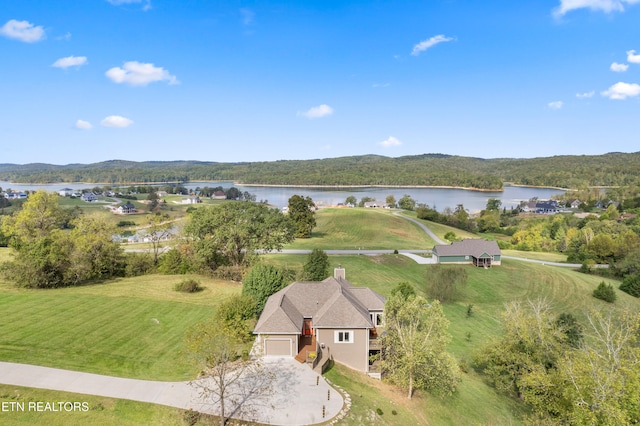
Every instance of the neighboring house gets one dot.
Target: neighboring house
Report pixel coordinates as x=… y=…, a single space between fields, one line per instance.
x=89 y=197
x=65 y=192
x=127 y=208
x=529 y=207
x=371 y=204
x=330 y=319
x=574 y=203
x=15 y=195
x=191 y=200
x=547 y=207
x=161 y=193
x=219 y=195
x=478 y=252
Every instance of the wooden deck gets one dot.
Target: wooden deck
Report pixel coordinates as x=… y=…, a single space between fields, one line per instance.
x=307 y=344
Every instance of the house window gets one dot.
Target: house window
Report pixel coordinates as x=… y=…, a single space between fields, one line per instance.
x=376 y=319
x=343 y=336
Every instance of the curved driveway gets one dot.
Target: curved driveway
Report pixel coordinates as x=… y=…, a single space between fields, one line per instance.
x=298 y=395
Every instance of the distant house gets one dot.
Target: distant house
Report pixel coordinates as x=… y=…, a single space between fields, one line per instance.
x=547 y=207
x=65 y=192
x=477 y=252
x=574 y=203
x=219 y=195
x=371 y=204
x=89 y=197
x=15 y=195
x=126 y=208
x=191 y=200
x=330 y=318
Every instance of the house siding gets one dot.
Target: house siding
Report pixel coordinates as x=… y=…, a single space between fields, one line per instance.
x=354 y=355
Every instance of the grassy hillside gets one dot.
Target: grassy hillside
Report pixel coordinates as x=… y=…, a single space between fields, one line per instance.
x=132 y=327
x=488 y=291
x=351 y=229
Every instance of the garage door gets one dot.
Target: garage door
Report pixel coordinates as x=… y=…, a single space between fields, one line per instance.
x=280 y=347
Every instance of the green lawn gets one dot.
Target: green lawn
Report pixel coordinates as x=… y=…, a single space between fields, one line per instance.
x=363 y=228
x=102 y=411
x=488 y=291
x=550 y=257
x=132 y=327
x=440 y=230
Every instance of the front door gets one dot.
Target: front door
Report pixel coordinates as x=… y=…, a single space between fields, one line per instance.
x=307 y=327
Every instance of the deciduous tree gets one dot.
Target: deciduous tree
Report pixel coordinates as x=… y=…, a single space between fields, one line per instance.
x=302 y=214
x=231 y=232
x=263 y=280
x=414 y=346
x=316 y=267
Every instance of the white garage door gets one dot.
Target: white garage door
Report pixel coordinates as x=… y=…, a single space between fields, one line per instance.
x=279 y=347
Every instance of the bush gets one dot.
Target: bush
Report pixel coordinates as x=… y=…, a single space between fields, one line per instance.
x=631 y=284
x=237 y=316
x=174 y=262
x=138 y=264
x=188 y=286
x=605 y=292
x=450 y=236
x=379 y=411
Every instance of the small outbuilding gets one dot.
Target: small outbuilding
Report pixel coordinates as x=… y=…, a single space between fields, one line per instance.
x=477 y=252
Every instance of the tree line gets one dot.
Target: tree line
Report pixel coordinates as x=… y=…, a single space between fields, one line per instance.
x=613 y=169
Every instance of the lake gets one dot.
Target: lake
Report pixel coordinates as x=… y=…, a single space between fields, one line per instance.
x=440 y=198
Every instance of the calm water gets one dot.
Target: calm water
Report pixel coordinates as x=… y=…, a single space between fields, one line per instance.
x=278 y=196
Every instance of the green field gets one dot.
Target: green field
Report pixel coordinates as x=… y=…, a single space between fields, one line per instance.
x=135 y=327
x=132 y=327
x=350 y=229
x=102 y=411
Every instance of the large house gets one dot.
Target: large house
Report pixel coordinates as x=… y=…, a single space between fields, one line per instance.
x=323 y=320
x=471 y=251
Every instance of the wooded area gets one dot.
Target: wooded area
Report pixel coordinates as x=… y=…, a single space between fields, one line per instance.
x=419 y=170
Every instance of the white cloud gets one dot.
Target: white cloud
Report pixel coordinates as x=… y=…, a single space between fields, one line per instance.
x=84 y=125
x=65 y=37
x=585 y=95
x=621 y=91
x=389 y=142
x=426 y=44
x=22 y=30
x=116 y=121
x=616 y=67
x=247 y=16
x=606 y=6
x=70 y=61
x=147 y=3
x=555 y=104
x=632 y=57
x=317 y=111
x=139 y=74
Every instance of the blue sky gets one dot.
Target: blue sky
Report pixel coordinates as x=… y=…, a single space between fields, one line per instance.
x=231 y=81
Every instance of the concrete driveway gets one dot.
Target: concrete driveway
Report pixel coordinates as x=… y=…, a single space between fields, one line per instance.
x=296 y=398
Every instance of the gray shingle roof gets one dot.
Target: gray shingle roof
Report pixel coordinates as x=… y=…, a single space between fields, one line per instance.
x=470 y=247
x=331 y=303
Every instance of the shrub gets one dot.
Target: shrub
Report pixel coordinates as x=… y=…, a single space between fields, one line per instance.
x=379 y=411
x=605 y=292
x=237 y=317
x=450 y=236
x=188 y=286
x=174 y=262
x=138 y=264
x=631 y=284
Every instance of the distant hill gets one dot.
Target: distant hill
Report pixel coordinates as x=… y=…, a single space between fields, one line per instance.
x=569 y=171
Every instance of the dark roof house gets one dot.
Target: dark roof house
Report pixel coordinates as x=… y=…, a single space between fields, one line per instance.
x=478 y=252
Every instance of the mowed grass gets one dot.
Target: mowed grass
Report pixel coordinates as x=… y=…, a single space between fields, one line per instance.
x=488 y=290
x=360 y=228
x=132 y=327
x=102 y=411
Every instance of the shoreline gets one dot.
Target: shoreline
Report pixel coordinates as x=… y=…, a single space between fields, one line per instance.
x=301 y=186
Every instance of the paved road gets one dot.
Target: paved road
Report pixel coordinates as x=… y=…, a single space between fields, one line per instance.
x=296 y=399
x=423 y=227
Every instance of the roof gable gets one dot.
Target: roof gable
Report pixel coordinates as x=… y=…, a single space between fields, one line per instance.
x=332 y=303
